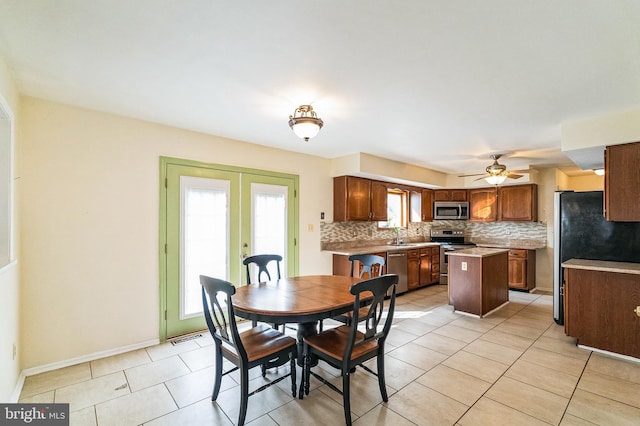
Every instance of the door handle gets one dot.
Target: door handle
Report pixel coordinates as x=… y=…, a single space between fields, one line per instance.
x=459 y=211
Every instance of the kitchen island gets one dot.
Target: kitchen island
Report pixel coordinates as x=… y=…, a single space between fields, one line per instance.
x=478 y=280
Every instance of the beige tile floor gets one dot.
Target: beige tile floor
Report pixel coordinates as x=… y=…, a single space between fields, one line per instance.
x=514 y=367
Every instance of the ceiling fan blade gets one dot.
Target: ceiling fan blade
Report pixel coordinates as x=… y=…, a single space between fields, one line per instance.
x=476 y=174
x=524 y=171
x=512 y=175
x=482 y=177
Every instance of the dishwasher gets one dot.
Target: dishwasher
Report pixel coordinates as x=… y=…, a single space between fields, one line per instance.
x=397 y=264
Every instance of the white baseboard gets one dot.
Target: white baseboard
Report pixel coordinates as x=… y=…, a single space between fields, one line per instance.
x=73 y=361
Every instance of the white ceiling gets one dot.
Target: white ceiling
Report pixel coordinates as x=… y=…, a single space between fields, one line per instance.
x=439 y=84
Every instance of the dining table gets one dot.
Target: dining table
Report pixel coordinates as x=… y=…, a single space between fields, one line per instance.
x=303 y=300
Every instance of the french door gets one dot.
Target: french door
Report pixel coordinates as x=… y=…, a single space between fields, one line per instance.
x=212 y=217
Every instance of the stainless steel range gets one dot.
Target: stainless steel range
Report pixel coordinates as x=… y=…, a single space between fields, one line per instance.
x=450 y=240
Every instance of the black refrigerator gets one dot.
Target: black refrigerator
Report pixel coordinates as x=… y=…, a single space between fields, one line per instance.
x=581 y=232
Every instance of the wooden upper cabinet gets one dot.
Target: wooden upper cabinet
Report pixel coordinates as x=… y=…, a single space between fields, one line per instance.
x=427 y=205
x=450 y=195
x=378 y=200
x=622 y=182
x=421 y=207
x=358 y=199
x=518 y=203
x=483 y=205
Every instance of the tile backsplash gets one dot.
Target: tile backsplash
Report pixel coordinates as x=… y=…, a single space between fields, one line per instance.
x=368 y=231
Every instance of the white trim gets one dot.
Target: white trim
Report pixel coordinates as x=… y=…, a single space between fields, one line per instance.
x=613 y=354
x=89 y=357
x=15 y=396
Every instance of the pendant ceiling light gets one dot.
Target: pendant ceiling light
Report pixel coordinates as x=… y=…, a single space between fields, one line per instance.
x=305 y=123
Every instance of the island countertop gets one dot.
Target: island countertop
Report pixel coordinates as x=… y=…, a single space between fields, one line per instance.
x=603 y=265
x=477 y=252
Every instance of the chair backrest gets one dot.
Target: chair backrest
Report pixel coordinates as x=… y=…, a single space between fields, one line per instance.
x=377 y=324
x=224 y=333
x=261 y=261
x=367 y=260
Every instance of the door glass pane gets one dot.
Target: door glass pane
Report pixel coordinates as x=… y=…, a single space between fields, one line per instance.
x=204 y=238
x=269 y=223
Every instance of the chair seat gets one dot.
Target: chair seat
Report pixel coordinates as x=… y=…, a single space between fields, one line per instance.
x=333 y=342
x=261 y=341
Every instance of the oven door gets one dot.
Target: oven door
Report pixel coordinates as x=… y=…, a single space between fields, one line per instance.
x=444 y=271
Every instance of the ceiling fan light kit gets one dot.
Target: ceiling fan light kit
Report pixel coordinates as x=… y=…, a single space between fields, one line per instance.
x=497 y=173
x=305 y=122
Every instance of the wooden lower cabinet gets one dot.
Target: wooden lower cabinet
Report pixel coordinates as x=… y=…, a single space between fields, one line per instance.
x=522 y=269
x=413 y=269
x=600 y=310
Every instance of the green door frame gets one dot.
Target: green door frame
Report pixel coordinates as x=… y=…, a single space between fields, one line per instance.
x=165 y=162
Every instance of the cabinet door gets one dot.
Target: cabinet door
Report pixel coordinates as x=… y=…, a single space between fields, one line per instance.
x=427 y=205
x=441 y=195
x=413 y=269
x=458 y=195
x=483 y=205
x=518 y=203
x=517 y=272
x=425 y=266
x=621 y=182
x=378 y=200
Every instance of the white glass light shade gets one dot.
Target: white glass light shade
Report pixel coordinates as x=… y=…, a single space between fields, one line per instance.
x=495 y=180
x=306 y=129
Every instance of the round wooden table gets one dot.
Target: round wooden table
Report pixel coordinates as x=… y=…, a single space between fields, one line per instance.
x=304 y=300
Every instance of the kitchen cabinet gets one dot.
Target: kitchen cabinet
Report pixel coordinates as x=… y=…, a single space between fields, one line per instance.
x=413 y=269
x=421 y=208
x=483 y=205
x=518 y=203
x=522 y=269
x=601 y=306
x=450 y=195
x=423 y=266
x=621 y=182
x=359 y=199
x=429 y=261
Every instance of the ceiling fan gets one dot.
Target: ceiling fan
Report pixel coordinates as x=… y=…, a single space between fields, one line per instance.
x=496 y=173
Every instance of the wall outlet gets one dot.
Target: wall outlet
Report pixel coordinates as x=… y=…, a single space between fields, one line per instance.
x=464 y=266
x=508 y=232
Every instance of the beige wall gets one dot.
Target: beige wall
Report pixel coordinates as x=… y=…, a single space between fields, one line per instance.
x=90 y=223
x=9 y=276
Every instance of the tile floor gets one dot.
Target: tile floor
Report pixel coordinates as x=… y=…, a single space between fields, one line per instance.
x=515 y=367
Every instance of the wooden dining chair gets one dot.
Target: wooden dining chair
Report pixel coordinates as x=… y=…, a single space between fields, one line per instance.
x=372 y=265
x=261 y=261
x=258 y=346
x=345 y=347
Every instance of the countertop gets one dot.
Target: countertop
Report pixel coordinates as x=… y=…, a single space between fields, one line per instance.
x=349 y=250
x=524 y=244
x=603 y=265
x=477 y=252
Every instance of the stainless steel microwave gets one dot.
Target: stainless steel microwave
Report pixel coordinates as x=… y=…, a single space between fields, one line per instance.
x=451 y=210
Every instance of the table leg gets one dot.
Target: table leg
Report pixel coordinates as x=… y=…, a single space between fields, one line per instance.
x=305 y=329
